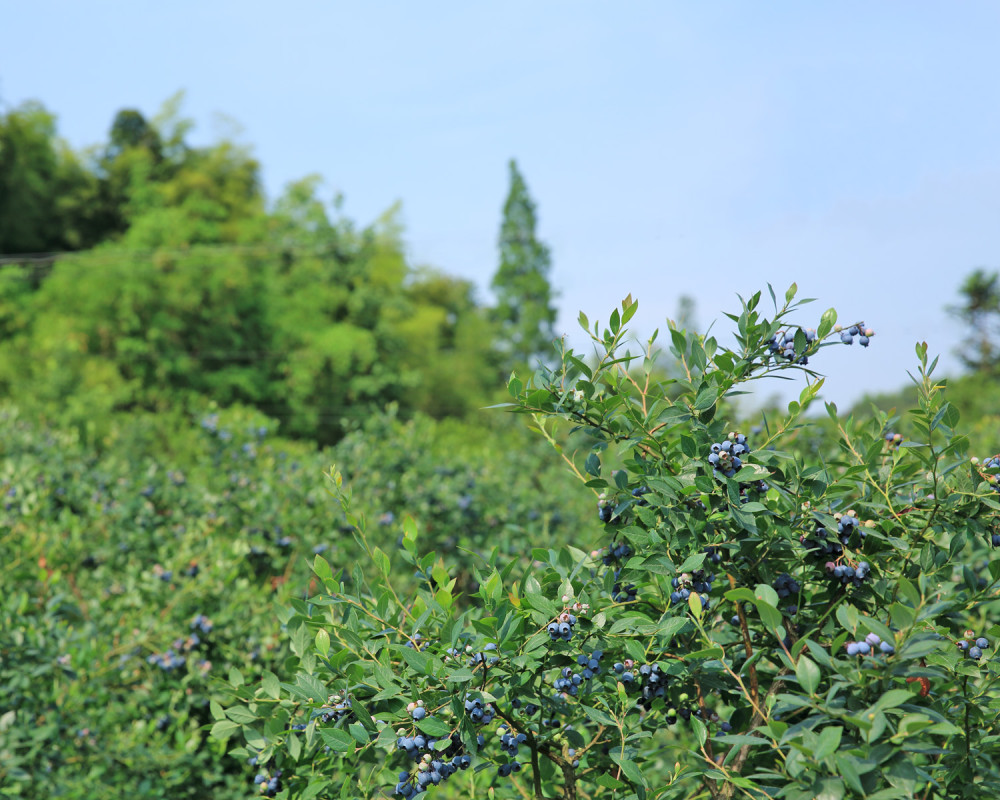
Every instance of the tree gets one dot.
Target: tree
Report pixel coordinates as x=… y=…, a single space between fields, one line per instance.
x=980 y=311
x=45 y=193
x=524 y=296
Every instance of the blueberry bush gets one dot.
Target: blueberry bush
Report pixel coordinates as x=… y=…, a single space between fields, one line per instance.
x=797 y=607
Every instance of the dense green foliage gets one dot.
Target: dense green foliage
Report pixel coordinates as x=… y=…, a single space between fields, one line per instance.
x=108 y=560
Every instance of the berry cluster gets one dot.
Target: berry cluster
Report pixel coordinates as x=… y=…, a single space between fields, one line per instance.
x=785 y=585
x=269 y=782
x=820 y=546
x=638 y=492
x=480 y=713
x=617 y=551
x=847 y=574
x=415 y=746
x=993 y=462
x=562 y=627
x=430 y=771
x=893 y=440
x=203 y=623
x=481 y=658
x=650 y=681
x=975 y=650
x=167 y=661
x=569 y=682
x=626 y=593
x=783 y=344
x=698 y=581
x=174 y=656
x=847 y=334
x=509 y=741
x=336 y=709
x=529 y=709
x=847 y=524
x=725 y=455
x=605 y=510
x=868 y=645
x=505 y=769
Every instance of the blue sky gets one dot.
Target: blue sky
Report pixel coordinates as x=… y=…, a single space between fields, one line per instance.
x=677 y=148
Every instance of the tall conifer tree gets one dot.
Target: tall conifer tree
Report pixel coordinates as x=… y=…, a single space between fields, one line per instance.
x=524 y=310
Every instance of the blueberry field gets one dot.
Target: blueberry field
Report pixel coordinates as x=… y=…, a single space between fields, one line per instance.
x=136 y=589
x=283 y=514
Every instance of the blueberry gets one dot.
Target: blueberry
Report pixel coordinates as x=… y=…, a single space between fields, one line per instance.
x=975 y=653
x=982 y=643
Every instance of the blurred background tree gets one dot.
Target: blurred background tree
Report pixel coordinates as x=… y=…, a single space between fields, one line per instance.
x=980 y=313
x=525 y=309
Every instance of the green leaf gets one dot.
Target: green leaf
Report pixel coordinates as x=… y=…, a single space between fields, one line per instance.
x=826 y=323
x=271 y=685
x=767 y=594
x=808 y=674
x=322 y=569
x=357 y=730
x=769 y=615
x=740 y=595
x=706 y=398
x=692 y=562
x=827 y=789
x=664 y=627
x=241 y=714
x=694 y=603
x=433 y=726
x=381 y=561
x=322 y=642
x=829 y=741
x=847 y=766
x=419 y=662
x=892 y=699
x=337 y=739
x=629 y=768
x=700 y=730
x=598 y=716
x=223 y=729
